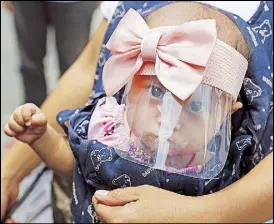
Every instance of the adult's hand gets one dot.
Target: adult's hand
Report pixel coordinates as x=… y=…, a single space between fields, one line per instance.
x=146 y=204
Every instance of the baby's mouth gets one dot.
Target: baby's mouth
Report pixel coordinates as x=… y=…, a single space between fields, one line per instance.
x=175 y=153
x=176 y=148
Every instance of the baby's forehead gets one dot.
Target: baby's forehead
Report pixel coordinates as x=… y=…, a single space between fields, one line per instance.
x=144 y=81
x=145 y=78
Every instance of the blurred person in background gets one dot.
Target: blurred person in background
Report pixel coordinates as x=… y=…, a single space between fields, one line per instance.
x=71 y=21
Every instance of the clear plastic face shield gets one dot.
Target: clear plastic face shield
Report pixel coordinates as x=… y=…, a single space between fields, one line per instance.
x=172 y=122
x=189 y=137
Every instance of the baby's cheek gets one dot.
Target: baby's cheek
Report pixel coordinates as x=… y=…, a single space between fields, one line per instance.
x=193 y=132
x=201 y=158
x=134 y=95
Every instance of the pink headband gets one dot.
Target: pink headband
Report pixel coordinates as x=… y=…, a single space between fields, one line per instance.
x=182 y=57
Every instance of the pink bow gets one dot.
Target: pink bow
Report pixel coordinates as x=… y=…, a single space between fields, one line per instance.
x=180 y=53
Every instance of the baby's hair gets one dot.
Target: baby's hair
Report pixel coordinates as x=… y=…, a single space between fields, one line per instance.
x=181 y=12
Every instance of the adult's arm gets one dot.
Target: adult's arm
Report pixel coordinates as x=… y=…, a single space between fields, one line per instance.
x=248 y=200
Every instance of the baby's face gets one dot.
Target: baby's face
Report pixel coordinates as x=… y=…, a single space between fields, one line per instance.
x=196 y=124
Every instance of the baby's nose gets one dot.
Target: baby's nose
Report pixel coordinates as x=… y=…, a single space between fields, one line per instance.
x=176 y=128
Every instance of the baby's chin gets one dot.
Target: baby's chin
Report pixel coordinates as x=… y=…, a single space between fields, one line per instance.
x=173 y=150
x=180 y=162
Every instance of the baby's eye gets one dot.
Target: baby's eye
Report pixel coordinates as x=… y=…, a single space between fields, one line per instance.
x=156 y=92
x=195 y=106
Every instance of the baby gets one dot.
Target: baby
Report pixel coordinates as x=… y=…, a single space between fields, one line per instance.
x=175 y=114
x=181 y=84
